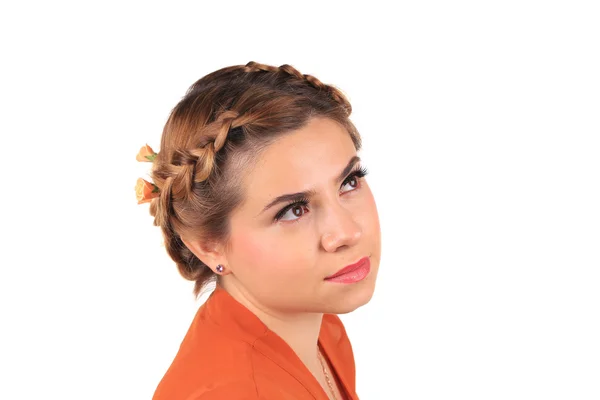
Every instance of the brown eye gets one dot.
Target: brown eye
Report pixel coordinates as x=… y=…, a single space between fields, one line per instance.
x=298 y=211
x=352 y=181
x=293 y=211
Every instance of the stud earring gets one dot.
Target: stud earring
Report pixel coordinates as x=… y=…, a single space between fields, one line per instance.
x=220 y=268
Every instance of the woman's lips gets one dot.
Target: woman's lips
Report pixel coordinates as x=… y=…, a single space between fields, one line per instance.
x=352 y=273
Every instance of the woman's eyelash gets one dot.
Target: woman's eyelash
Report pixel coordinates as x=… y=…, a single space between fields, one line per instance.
x=357 y=173
x=301 y=202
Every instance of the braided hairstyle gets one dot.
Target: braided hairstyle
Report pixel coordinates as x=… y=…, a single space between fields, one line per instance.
x=216 y=132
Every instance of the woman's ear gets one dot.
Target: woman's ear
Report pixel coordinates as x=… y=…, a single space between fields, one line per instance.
x=209 y=253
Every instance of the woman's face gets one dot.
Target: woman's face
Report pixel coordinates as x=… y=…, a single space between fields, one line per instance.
x=280 y=253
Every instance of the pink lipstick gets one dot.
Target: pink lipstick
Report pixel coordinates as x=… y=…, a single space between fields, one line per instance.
x=352 y=273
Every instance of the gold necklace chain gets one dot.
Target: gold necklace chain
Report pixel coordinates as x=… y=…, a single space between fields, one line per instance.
x=326 y=376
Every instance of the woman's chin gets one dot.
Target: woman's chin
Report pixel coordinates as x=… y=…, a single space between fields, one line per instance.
x=351 y=296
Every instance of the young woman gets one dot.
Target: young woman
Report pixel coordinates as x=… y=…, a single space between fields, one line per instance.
x=258 y=187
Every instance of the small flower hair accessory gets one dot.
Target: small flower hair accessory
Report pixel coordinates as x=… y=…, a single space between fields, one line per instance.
x=145 y=191
x=146 y=154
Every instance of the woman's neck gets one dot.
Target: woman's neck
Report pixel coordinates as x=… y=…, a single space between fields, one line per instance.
x=299 y=330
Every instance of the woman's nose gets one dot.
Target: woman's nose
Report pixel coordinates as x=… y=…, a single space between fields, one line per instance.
x=341 y=229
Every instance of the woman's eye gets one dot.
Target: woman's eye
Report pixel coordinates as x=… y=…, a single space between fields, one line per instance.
x=294 y=212
x=352 y=181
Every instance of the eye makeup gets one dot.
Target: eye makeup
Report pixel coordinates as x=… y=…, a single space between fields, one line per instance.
x=358 y=173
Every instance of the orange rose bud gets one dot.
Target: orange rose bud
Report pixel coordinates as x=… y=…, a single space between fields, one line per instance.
x=145 y=191
x=146 y=154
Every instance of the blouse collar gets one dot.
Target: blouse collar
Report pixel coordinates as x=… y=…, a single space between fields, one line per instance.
x=240 y=322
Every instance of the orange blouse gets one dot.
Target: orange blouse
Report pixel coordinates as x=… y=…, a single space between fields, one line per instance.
x=228 y=353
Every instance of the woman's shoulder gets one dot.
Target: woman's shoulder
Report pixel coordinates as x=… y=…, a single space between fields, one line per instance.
x=207 y=360
x=204 y=366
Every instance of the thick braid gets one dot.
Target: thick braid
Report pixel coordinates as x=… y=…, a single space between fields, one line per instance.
x=214 y=136
x=160 y=207
x=332 y=91
x=176 y=178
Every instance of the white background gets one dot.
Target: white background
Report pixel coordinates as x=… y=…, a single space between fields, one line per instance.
x=481 y=125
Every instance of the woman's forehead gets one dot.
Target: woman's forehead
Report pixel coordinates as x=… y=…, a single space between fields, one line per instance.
x=320 y=142
x=306 y=159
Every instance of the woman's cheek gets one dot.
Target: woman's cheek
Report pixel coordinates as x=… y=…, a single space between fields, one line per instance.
x=369 y=215
x=252 y=249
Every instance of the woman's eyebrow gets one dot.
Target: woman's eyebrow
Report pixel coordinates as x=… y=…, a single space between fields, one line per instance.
x=307 y=194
